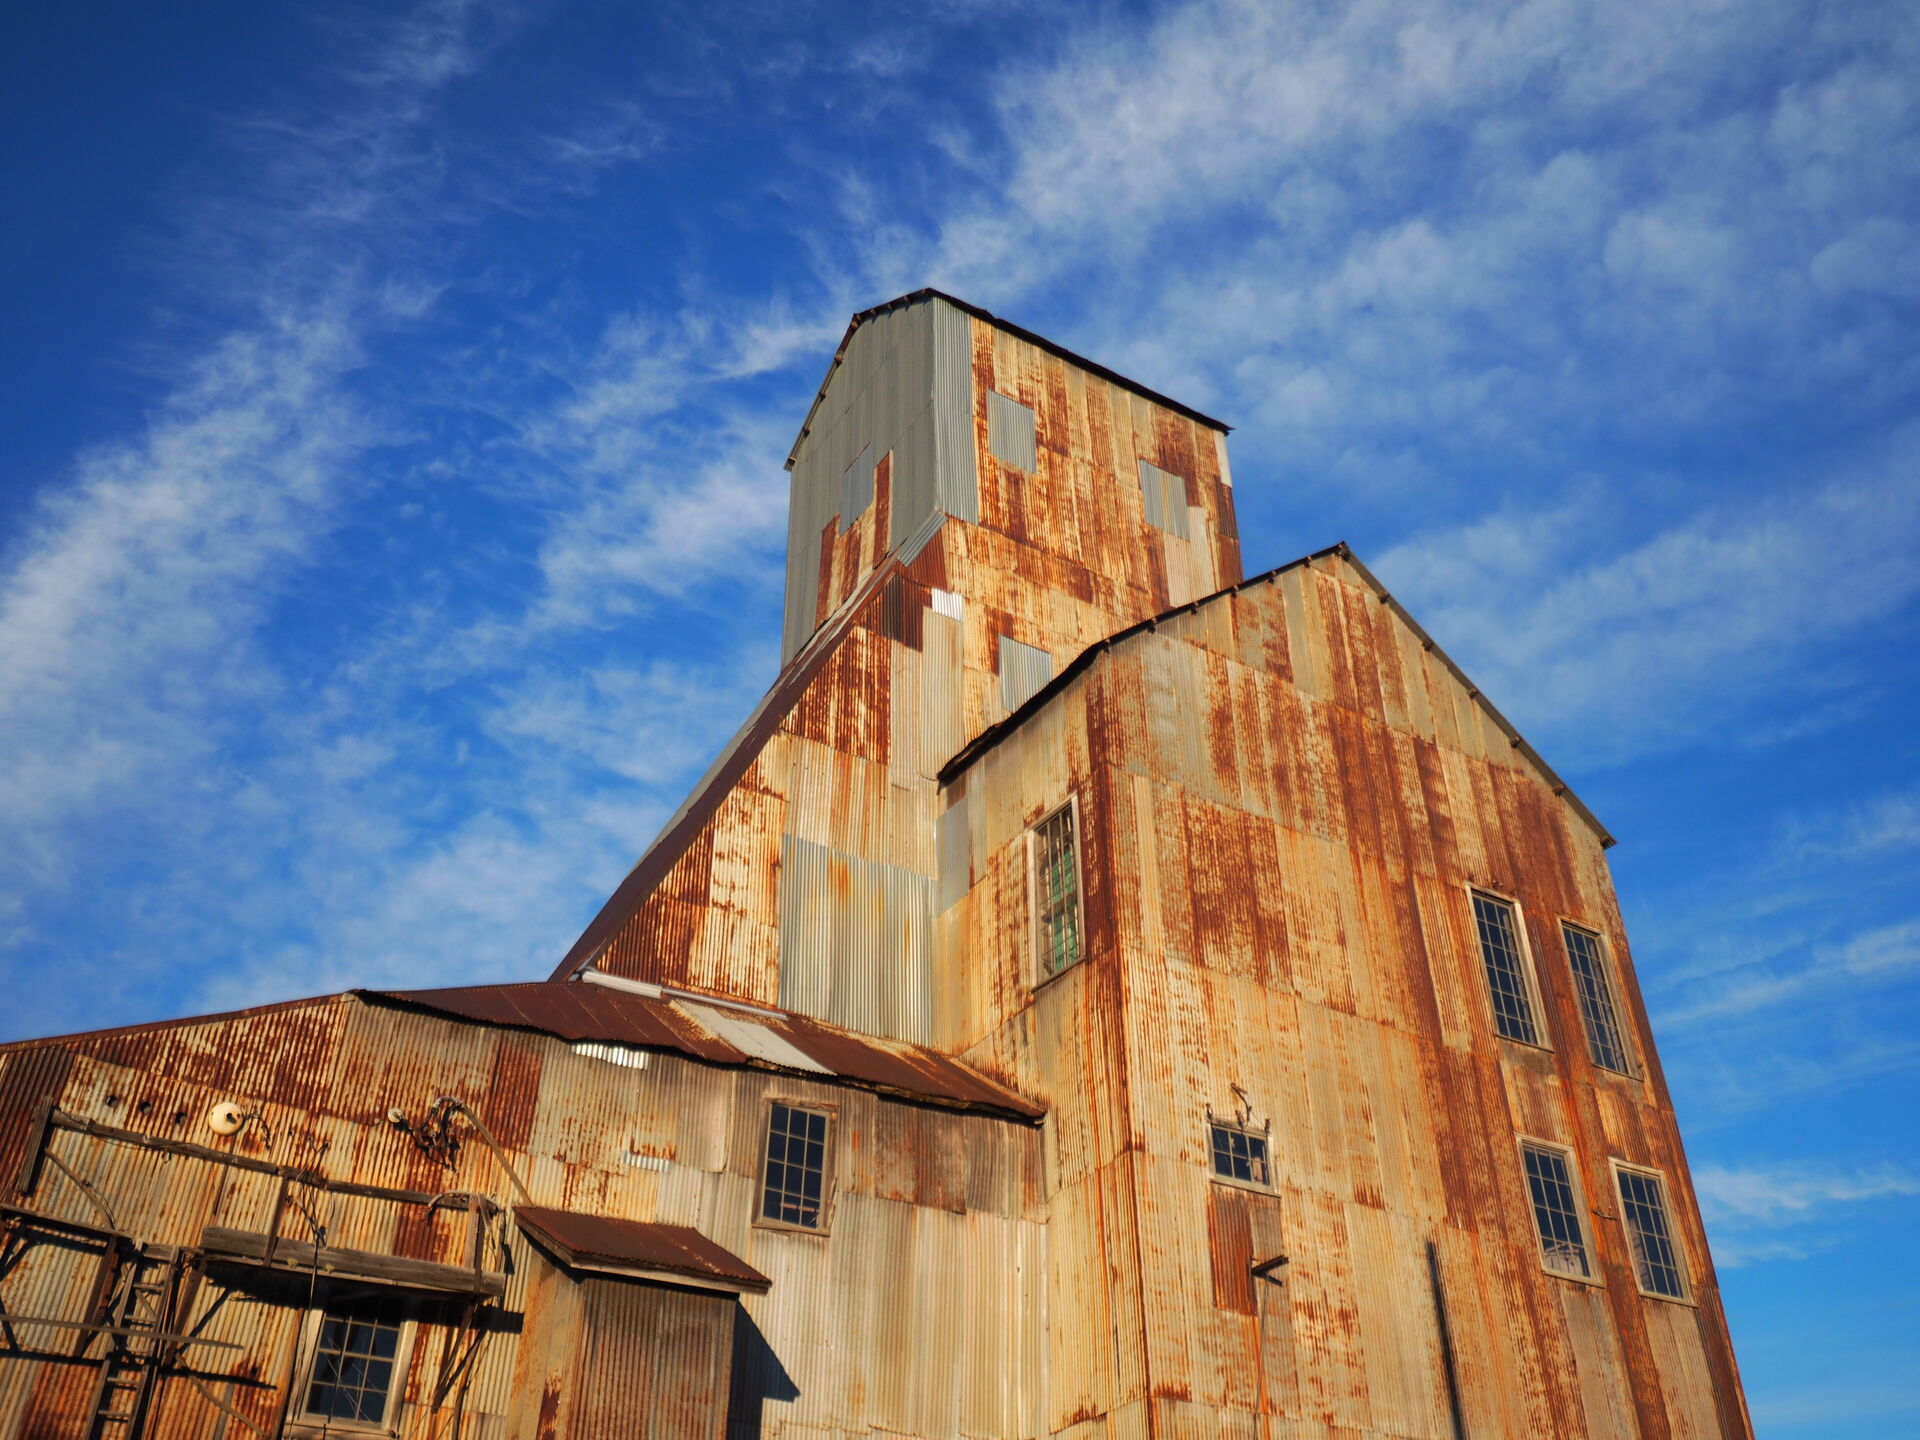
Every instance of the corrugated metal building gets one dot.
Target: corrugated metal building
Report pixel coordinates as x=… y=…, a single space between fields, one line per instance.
x=1093 y=994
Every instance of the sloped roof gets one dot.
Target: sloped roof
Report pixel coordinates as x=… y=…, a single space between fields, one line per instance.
x=722 y=1032
x=601 y=1242
x=1092 y=367
x=994 y=734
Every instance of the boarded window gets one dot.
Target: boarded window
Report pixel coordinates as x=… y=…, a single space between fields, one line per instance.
x=1598 y=1014
x=1024 y=672
x=1165 y=498
x=355 y=1359
x=1556 y=1210
x=1010 y=432
x=1056 y=886
x=1240 y=1154
x=856 y=488
x=796 y=1176
x=1506 y=969
x=1643 y=1209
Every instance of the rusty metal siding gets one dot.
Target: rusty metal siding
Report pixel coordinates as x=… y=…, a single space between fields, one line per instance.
x=655 y=1363
x=1024 y=672
x=1292 y=837
x=572 y=1128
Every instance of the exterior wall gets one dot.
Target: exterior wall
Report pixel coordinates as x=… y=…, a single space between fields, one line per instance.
x=805 y=873
x=936 y=1215
x=1284 y=801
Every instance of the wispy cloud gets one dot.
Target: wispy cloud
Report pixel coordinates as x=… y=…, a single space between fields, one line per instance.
x=1759 y=1215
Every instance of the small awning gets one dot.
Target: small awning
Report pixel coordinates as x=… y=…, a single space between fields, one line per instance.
x=640 y=1249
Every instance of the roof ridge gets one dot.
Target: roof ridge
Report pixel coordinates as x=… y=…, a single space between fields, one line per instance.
x=990 y=737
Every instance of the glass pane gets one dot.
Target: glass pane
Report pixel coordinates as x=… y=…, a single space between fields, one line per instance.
x=1506 y=973
x=1556 y=1211
x=1643 y=1206
x=1058 y=898
x=796 y=1165
x=1597 y=1013
x=1239 y=1155
x=353 y=1363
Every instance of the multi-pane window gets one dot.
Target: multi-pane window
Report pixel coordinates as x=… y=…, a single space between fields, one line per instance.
x=1556 y=1211
x=1240 y=1154
x=1499 y=932
x=796 y=1182
x=1056 y=886
x=1643 y=1209
x=355 y=1357
x=1601 y=1017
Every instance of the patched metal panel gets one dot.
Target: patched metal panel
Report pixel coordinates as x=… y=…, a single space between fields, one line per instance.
x=1010 y=432
x=751 y=1038
x=856 y=486
x=1165 y=495
x=951 y=414
x=956 y=874
x=876 y=400
x=1024 y=672
x=853 y=940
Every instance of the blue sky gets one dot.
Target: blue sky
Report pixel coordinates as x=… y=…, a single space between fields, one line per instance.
x=392 y=513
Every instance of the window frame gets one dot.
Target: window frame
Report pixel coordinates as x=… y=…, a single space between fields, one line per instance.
x=1265 y=1137
x=1583 y=1209
x=300 y=1419
x=1610 y=979
x=1529 y=972
x=1042 y=976
x=1683 y=1260
x=831 y=1113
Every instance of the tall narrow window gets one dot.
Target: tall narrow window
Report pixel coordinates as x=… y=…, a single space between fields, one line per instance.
x=1240 y=1154
x=1056 y=891
x=1556 y=1210
x=356 y=1357
x=796 y=1178
x=1643 y=1209
x=1506 y=969
x=1605 y=1042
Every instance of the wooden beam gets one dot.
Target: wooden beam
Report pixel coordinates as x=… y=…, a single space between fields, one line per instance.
x=249 y=1247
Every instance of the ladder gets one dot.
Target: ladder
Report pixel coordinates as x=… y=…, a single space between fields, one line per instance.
x=140 y=1316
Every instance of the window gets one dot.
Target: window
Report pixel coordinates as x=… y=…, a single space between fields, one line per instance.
x=1010 y=432
x=1499 y=932
x=1240 y=1155
x=1605 y=1042
x=1056 y=891
x=1165 y=496
x=796 y=1175
x=1643 y=1210
x=1557 y=1212
x=358 y=1359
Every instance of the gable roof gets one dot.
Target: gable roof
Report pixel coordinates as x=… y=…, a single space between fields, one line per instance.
x=1092 y=367
x=990 y=737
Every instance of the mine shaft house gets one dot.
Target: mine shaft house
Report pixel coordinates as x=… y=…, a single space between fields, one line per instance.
x=1094 y=994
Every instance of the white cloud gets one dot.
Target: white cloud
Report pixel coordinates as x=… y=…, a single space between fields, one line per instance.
x=1773 y=1197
